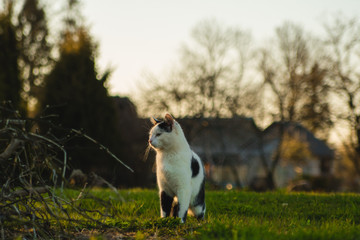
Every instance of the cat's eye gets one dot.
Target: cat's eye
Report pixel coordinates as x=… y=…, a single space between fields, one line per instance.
x=158 y=134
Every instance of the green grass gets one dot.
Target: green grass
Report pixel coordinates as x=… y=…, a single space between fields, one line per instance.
x=230 y=215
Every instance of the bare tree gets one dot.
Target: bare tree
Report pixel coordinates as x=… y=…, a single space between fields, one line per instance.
x=210 y=79
x=283 y=70
x=293 y=77
x=343 y=42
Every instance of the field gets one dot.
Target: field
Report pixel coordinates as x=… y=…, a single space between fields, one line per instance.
x=230 y=215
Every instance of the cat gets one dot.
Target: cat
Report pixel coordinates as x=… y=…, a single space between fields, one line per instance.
x=179 y=171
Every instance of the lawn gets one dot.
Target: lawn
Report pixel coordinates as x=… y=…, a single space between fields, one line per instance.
x=230 y=215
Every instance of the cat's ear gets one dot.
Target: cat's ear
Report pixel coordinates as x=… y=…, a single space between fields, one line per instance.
x=169 y=119
x=154 y=120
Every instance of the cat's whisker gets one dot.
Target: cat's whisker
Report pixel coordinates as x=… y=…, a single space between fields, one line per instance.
x=146 y=155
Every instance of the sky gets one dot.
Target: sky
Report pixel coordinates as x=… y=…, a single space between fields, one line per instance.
x=141 y=36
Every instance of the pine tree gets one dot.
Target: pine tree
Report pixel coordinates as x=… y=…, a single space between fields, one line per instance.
x=10 y=83
x=77 y=95
x=34 y=59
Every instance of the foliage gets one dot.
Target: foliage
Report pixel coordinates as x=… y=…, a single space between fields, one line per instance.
x=35 y=49
x=294 y=150
x=77 y=95
x=10 y=83
x=230 y=215
x=300 y=72
x=68 y=90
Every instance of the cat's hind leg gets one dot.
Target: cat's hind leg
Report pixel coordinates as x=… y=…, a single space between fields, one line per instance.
x=198 y=206
x=199 y=211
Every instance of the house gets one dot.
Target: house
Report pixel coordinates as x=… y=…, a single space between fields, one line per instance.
x=236 y=152
x=317 y=162
x=228 y=147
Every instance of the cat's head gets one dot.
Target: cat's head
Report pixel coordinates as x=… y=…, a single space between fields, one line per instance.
x=165 y=133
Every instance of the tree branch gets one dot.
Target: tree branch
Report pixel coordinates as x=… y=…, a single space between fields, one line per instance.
x=10 y=149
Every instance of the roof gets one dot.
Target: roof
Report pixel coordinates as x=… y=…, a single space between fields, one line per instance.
x=222 y=136
x=317 y=147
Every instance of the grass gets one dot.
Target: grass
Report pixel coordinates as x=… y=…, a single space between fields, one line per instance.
x=230 y=215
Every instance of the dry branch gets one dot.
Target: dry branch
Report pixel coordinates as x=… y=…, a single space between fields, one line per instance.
x=31 y=166
x=26 y=192
x=102 y=147
x=10 y=149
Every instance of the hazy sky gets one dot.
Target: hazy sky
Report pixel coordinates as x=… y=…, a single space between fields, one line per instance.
x=136 y=36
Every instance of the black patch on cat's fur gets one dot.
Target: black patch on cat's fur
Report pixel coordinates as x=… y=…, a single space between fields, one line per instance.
x=200 y=198
x=165 y=126
x=175 y=211
x=166 y=203
x=195 y=167
x=185 y=215
x=201 y=215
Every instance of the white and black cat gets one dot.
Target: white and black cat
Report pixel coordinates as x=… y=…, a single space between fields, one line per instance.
x=179 y=171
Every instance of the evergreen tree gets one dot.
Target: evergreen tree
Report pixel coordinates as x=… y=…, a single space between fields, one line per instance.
x=34 y=59
x=10 y=83
x=78 y=97
x=74 y=92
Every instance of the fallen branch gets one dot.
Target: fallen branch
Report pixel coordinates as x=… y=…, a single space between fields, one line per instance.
x=61 y=148
x=31 y=167
x=10 y=149
x=102 y=147
x=25 y=192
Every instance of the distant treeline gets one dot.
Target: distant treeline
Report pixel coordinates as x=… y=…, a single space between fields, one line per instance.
x=297 y=76
x=68 y=91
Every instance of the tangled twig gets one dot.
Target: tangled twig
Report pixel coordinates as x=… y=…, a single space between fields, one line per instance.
x=32 y=165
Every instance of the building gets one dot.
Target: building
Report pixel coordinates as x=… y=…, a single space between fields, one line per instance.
x=315 y=157
x=237 y=153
